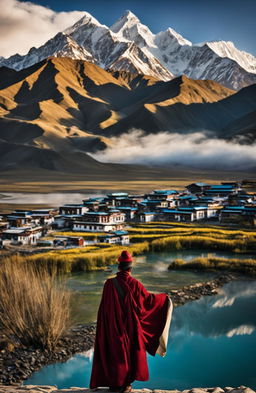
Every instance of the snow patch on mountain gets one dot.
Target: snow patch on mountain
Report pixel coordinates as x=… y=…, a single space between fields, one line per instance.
x=61 y=45
x=130 y=45
x=228 y=49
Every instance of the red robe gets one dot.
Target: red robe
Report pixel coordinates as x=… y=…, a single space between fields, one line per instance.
x=126 y=329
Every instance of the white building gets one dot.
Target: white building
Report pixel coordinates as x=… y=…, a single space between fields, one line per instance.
x=100 y=221
x=147 y=216
x=21 y=235
x=118 y=237
x=72 y=209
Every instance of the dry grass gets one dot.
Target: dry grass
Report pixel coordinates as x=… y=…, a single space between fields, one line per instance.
x=34 y=304
x=245 y=266
x=85 y=235
x=85 y=259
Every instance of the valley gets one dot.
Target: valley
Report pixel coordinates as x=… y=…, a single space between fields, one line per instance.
x=57 y=114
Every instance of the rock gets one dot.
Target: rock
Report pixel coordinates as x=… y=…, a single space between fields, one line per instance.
x=241 y=389
x=163 y=391
x=215 y=390
x=143 y=390
x=39 y=388
x=248 y=390
x=198 y=390
x=6 y=345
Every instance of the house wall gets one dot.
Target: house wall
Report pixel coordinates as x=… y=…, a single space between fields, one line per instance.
x=88 y=227
x=200 y=214
x=147 y=218
x=60 y=222
x=23 y=239
x=212 y=213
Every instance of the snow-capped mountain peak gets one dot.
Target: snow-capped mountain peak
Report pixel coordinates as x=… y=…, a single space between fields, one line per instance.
x=169 y=40
x=61 y=45
x=181 y=40
x=129 y=27
x=228 y=49
x=85 y=20
x=127 y=19
x=130 y=45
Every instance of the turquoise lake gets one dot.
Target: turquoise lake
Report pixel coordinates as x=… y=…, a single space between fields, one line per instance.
x=212 y=341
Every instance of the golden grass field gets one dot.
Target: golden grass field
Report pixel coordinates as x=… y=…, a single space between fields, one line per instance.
x=147 y=237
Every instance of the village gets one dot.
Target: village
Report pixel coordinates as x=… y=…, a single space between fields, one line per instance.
x=110 y=216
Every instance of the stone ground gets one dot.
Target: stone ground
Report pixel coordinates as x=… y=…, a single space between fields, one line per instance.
x=54 y=389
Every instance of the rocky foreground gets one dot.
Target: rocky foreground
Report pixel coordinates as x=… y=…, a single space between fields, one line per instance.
x=17 y=362
x=54 y=389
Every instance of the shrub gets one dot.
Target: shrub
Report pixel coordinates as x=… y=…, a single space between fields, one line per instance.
x=34 y=305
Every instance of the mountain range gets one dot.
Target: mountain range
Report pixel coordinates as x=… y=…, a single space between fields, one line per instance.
x=63 y=103
x=130 y=46
x=58 y=111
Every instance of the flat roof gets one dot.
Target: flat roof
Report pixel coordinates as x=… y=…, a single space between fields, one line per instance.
x=231 y=211
x=14 y=231
x=97 y=213
x=117 y=194
x=198 y=184
x=193 y=208
x=68 y=215
x=72 y=205
x=168 y=192
x=127 y=208
x=9 y=217
x=221 y=186
x=235 y=207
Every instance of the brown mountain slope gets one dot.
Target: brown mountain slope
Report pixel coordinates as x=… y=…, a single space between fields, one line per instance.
x=189 y=111
x=60 y=108
x=243 y=129
x=59 y=100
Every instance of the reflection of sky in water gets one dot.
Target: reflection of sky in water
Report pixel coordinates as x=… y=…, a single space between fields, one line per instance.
x=52 y=198
x=150 y=269
x=212 y=342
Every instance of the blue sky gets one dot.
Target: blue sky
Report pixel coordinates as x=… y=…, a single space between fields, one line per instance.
x=196 y=20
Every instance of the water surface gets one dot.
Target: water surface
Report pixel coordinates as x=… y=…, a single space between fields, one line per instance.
x=212 y=342
x=53 y=199
x=151 y=269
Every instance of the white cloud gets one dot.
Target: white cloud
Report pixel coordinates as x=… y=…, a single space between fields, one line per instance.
x=24 y=24
x=224 y=302
x=241 y=330
x=198 y=150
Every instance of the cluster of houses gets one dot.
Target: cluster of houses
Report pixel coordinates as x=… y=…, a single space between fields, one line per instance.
x=110 y=214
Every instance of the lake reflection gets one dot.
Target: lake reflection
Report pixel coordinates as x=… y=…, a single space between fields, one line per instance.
x=151 y=269
x=212 y=342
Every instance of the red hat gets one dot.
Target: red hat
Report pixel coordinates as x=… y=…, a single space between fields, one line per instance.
x=125 y=257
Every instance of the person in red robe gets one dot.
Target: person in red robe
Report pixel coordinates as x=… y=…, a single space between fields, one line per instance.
x=130 y=322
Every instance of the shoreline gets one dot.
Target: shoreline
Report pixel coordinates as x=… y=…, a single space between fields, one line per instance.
x=53 y=388
x=18 y=363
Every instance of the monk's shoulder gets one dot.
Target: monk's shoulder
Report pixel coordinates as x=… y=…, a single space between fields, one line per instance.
x=108 y=283
x=136 y=283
